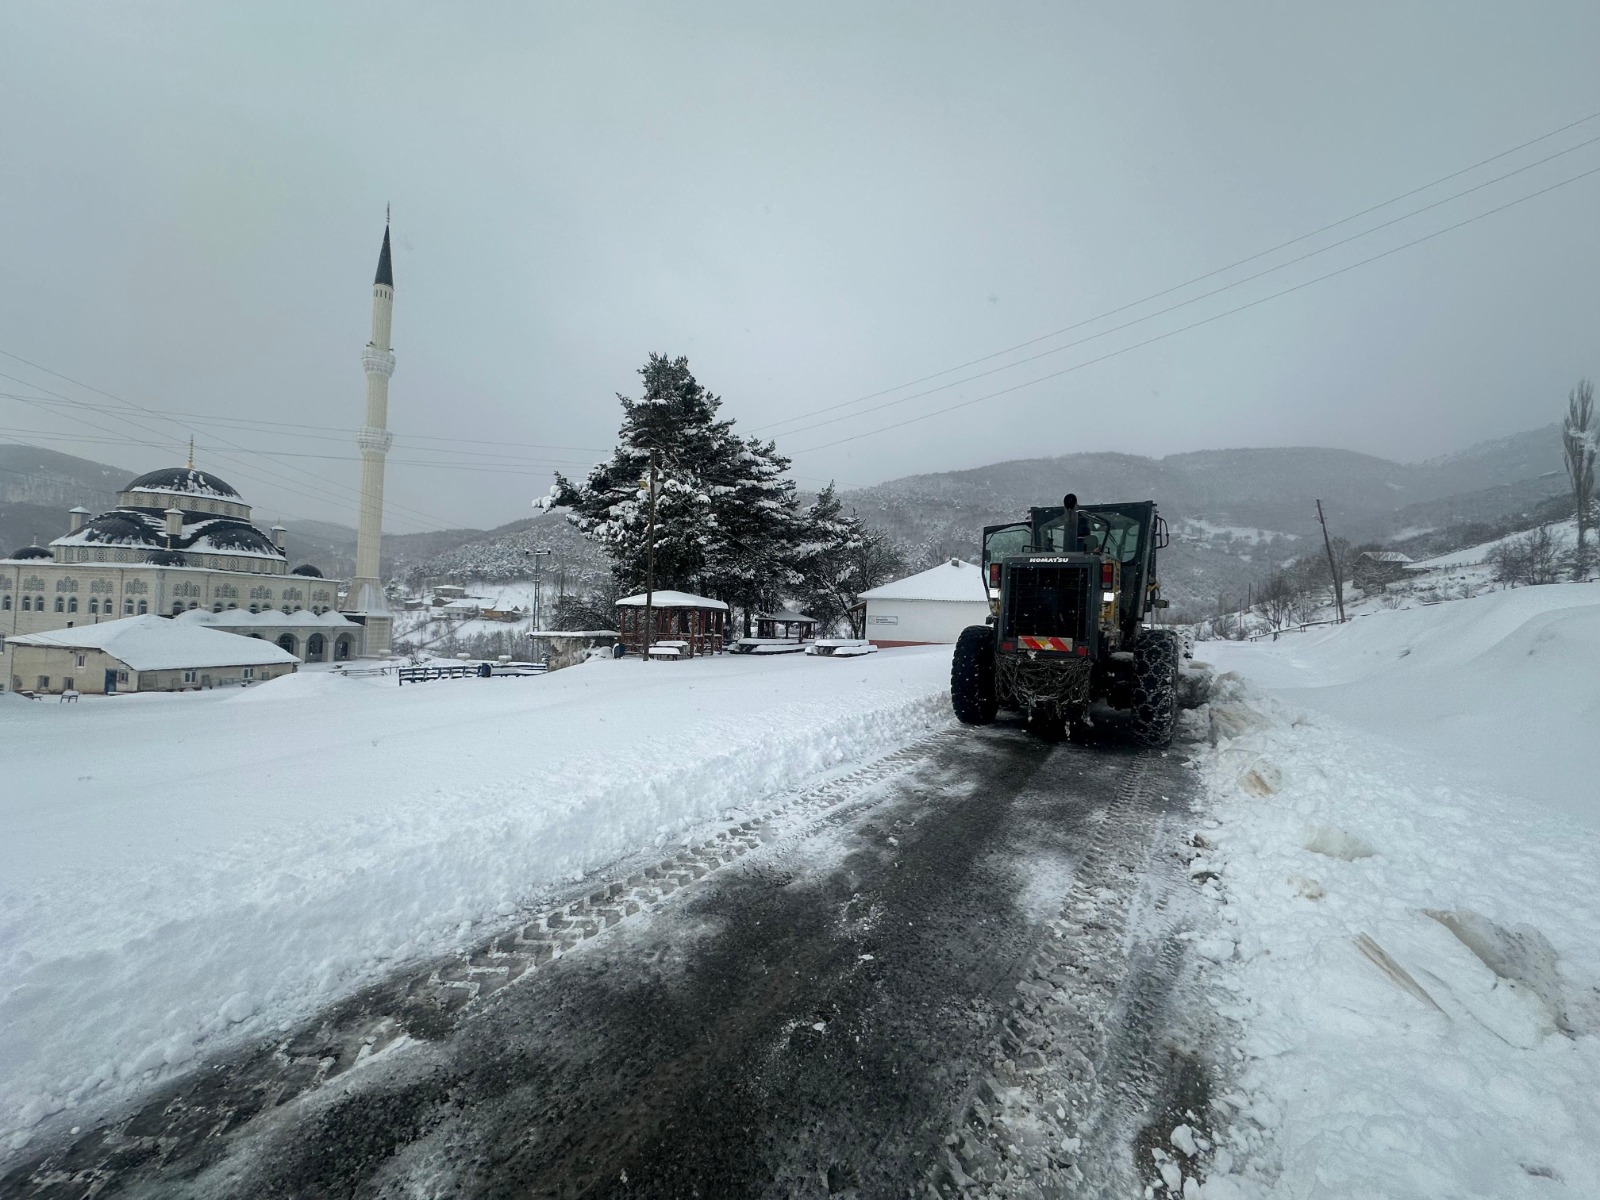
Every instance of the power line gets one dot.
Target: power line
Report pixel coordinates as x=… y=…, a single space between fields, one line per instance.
x=1197 y=279
x=234 y=445
x=262 y=425
x=1208 y=320
x=245 y=469
x=389 y=506
x=1171 y=307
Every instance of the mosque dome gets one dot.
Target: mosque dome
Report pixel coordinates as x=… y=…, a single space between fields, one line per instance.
x=32 y=552
x=307 y=570
x=183 y=479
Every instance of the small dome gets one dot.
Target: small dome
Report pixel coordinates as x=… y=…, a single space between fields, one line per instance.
x=227 y=536
x=115 y=526
x=183 y=479
x=167 y=558
x=307 y=570
x=32 y=552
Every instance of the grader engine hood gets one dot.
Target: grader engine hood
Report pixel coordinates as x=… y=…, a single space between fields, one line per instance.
x=1050 y=605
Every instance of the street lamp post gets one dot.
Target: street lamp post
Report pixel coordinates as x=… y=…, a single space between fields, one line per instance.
x=538 y=580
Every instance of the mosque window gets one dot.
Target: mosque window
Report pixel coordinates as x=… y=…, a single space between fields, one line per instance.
x=94 y=605
x=216 y=606
x=127 y=607
x=5 y=602
x=144 y=607
x=27 y=604
x=61 y=604
x=72 y=604
x=255 y=608
x=232 y=605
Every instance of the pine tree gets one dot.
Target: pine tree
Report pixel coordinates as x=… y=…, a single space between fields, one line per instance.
x=727 y=521
x=840 y=558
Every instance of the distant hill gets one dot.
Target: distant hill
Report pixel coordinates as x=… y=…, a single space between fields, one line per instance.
x=1234 y=513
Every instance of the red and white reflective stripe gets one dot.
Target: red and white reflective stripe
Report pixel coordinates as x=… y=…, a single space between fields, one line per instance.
x=1047 y=643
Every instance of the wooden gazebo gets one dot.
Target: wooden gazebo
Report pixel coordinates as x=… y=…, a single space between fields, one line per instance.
x=697 y=622
x=786 y=624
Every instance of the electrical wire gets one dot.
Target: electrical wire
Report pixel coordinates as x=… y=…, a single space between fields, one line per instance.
x=1171 y=308
x=1044 y=337
x=1208 y=320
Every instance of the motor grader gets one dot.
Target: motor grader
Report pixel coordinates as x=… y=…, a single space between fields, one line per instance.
x=1070 y=593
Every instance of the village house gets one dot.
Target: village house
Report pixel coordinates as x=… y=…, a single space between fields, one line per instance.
x=932 y=606
x=141 y=654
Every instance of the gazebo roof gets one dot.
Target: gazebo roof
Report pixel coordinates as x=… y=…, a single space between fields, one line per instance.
x=785 y=615
x=669 y=599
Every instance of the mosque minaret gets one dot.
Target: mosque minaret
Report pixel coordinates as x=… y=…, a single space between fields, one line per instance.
x=366 y=589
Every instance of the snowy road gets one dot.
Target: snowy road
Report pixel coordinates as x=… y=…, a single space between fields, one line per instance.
x=941 y=968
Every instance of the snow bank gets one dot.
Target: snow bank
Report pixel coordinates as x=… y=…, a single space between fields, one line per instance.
x=184 y=870
x=1408 y=936
x=1505 y=685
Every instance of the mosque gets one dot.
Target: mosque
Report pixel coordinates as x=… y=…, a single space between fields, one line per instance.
x=180 y=543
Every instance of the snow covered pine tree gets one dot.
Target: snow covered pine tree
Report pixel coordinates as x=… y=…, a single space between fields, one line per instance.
x=728 y=524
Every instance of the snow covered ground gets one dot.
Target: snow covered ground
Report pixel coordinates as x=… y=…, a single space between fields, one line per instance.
x=1405 y=833
x=181 y=871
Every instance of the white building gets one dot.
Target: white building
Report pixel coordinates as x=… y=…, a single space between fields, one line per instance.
x=141 y=654
x=930 y=607
x=180 y=540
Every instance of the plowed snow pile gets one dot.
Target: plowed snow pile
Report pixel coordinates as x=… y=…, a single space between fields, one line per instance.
x=179 y=871
x=1406 y=834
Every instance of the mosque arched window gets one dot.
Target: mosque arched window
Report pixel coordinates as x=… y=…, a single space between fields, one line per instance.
x=144 y=607
x=72 y=604
x=61 y=604
x=255 y=608
x=5 y=602
x=127 y=607
x=216 y=606
x=94 y=606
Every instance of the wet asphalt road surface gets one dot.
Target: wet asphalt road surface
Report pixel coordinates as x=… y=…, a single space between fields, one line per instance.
x=807 y=1021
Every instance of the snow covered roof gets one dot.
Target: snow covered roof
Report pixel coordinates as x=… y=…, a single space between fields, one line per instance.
x=185 y=480
x=145 y=529
x=241 y=618
x=669 y=599
x=953 y=580
x=1392 y=556
x=785 y=614
x=152 y=643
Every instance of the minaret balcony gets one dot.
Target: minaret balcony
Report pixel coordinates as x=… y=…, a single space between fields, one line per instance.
x=373 y=440
x=378 y=362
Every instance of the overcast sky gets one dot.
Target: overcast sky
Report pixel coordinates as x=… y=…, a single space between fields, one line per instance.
x=814 y=203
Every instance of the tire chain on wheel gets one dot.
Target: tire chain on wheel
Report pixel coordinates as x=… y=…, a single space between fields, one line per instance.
x=1155 y=678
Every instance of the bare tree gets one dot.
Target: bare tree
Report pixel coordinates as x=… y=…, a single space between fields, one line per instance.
x=1533 y=558
x=1277 y=599
x=1578 y=448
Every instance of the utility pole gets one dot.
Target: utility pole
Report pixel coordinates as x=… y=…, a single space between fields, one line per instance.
x=650 y=565
x=1333 y=569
